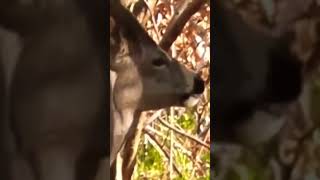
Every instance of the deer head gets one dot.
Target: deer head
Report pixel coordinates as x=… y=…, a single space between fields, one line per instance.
x=145 y=77
x=267 y=78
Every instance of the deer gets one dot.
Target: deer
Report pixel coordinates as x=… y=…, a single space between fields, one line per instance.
x=268 y=79
x=54 y=111
x=142 y=77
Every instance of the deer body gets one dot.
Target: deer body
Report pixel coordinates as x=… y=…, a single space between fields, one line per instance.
x=67 y=95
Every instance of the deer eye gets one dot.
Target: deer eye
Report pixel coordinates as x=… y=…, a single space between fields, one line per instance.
x=158 y=62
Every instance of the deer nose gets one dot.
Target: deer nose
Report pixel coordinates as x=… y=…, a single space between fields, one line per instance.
x=198 y=85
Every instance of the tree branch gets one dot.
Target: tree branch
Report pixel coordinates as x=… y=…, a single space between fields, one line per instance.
x=178 y=21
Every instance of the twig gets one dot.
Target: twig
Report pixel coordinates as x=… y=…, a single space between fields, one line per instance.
x=171 y=145
x=157 y=145
x=184 y=134
x=200 y=151
x=153 y=20
x=154 y=117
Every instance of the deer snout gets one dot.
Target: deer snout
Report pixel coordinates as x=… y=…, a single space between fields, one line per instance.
x=198 y=85
x=193 y=97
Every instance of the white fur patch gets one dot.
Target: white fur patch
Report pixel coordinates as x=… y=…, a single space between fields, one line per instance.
x=261 y=127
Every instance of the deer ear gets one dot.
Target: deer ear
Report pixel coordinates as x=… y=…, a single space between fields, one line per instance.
x=114 y=46
x=119 y=48
x=112 y=24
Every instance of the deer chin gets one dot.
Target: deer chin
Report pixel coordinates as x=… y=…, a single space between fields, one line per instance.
x=190 y=100
x=272 y=117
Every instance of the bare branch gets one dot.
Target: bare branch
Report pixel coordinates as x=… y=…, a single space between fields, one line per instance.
x=178 y=21
x=185 y=134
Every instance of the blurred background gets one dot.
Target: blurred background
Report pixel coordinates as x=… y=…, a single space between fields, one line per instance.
x=294 y=154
